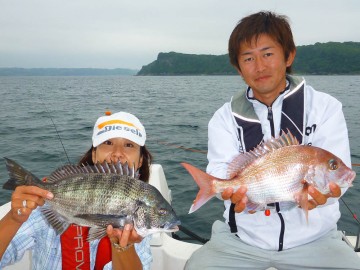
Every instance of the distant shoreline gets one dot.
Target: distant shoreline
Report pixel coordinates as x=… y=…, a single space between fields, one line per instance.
x=66 y=72
x=331 y=58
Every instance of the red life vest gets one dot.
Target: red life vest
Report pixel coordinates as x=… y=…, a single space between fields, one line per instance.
x=75 y=249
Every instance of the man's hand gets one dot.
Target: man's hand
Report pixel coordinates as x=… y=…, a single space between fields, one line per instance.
x=321 y=199
x=238 y=197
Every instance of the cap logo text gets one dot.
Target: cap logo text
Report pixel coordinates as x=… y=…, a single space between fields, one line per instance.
x=116 y=121
x=117 y=127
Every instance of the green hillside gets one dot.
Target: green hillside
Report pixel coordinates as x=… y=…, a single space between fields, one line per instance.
x=320 y=58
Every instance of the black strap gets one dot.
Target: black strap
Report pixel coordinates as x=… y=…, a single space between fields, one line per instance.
x=232 y=221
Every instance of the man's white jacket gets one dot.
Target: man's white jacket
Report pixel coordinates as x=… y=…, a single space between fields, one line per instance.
x=317 y=119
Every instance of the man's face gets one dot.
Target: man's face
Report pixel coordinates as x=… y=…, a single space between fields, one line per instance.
x=263 y=67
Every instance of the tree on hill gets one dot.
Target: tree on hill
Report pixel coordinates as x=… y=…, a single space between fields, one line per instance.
x=320 y=58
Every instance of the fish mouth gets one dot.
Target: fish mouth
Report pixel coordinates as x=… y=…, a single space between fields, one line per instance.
x=351 y=176
x=171 y=226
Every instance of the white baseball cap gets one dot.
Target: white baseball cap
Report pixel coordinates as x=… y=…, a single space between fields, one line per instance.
x=118 y=125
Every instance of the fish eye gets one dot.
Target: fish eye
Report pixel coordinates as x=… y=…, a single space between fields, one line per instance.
x=162 y=211
x=333 y=165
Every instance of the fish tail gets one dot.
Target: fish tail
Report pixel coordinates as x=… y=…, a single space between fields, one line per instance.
x=205 y=184
x=19 y=176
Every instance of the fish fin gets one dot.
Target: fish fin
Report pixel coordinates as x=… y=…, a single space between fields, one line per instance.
x=242 y=160
x=99 y=231
x=57 y=221
x=302 y=199
x=254 y=207
x=61 y=173
x=112 y=168
x=204 y=182
x=96 y=233
x=143 y=232
x=250 y=206
x=239 y=163
x=19 y=176
x=287 y=139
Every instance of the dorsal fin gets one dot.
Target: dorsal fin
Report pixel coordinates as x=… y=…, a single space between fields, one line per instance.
x=112 y=168
x=243 y=159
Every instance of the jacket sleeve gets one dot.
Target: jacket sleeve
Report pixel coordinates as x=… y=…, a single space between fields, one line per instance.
x=223 y=142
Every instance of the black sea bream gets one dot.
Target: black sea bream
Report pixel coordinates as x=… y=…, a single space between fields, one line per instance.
x=97 y=196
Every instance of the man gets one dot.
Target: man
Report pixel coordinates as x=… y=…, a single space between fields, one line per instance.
x=262 y=49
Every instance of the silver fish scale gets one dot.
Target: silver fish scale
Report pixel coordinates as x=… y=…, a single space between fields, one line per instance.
x=105 y=194
x=276 y=176
x=275 y=188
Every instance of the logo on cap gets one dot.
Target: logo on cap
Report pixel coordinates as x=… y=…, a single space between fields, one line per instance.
x=111 y=122
x=111 y=125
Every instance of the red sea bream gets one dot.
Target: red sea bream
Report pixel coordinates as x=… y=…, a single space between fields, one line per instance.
x=279 y=170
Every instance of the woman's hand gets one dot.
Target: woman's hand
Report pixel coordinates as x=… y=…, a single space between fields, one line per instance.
x=124 y=237
x=124 y=255
x=25 y=199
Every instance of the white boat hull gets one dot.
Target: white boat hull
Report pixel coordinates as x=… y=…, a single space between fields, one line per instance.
x=168 y=253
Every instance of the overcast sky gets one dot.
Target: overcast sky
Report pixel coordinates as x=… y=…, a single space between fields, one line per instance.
x=131 y=33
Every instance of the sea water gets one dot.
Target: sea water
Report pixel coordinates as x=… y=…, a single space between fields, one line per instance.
x=36 y=111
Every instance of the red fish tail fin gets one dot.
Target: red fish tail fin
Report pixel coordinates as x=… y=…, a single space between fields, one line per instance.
x=205 y=184
x=303 y=200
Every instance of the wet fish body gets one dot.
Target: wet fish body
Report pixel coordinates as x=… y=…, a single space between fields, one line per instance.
x=96 y=196
x=279 y=170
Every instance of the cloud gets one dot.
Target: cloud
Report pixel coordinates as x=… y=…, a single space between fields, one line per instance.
x=130 y=33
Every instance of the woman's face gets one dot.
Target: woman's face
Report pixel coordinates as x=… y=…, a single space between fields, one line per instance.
x=118 y=149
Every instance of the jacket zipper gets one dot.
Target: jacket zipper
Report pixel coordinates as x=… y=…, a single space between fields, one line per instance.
x=270 y=118
x=277 y=205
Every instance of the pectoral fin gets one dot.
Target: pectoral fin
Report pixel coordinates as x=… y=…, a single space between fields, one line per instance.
x=102 y=221
x=302 y=199
x=57 y=221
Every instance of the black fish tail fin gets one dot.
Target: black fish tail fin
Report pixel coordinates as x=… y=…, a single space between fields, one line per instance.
x=19 y=176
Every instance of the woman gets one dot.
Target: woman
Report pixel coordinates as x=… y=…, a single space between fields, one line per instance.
x=117 y=137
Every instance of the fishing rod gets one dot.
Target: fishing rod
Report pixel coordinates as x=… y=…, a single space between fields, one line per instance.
x=48 y=112
x=193 y=236
x=352 y=213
